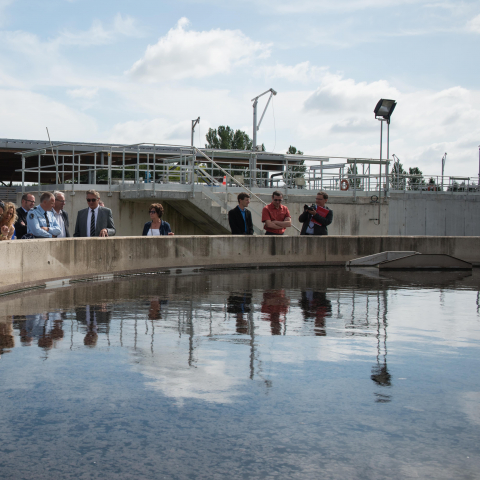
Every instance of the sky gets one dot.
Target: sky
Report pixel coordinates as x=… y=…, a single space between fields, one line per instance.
x=129 y=72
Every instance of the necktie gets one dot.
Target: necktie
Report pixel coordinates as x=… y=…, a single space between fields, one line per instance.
x=92 y=224
x=46 y=218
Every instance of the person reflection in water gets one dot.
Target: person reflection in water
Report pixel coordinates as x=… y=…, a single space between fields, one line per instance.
x=47 y=328
x=316 y=305
x=96 y=318
x=7 y=340
x=155 y=311
x=275 y=304
x=240 y=305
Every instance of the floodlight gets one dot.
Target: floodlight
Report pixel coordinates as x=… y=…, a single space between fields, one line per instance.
x=385 y=108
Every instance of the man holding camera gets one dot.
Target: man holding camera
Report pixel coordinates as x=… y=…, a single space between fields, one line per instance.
x=315 y=218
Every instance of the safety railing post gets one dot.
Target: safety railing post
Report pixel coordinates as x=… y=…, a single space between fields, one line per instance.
x=73 y=171
x=56 y=172
x=154 y=171
x=23 y=175
x=110 y=172
x=39 y=164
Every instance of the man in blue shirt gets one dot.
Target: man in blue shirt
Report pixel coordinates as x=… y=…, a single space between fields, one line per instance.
x=41 y=222
x=239 y=218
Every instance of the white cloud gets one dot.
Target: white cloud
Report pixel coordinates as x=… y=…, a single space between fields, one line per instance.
x=425 y=124
x=152 y=131
x=474 y=25
x=85 y=92
x=315 y=6
x=301 y=72
x=30 y=113
x=186 y=53
x=99 y=35
x=337 y=93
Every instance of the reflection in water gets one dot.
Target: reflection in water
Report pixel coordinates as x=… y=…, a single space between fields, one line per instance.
x=240 y=305
x=182 y=371
x=7 y=340
x=380 y=373
x=275 y=306
x=315 y=305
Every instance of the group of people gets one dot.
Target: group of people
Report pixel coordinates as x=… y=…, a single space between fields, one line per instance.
x=276 y=217
x=50 y=220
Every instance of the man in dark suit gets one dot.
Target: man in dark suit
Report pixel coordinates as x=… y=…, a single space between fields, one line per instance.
x=94 y=221
x=239 y=218
x=28 y=201
x=315 y=222
x=60 y=215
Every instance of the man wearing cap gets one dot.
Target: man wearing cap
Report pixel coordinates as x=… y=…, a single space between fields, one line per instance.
x=41 y=221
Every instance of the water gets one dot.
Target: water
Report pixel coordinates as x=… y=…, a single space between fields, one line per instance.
x=289 y=373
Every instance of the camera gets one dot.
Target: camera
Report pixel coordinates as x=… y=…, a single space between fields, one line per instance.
x=309 y=207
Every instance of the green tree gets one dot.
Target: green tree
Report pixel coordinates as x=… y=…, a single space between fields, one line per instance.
x=226 y=138
x=352 y=170
x=397 y=179
x=298 y=170
x=416 y=180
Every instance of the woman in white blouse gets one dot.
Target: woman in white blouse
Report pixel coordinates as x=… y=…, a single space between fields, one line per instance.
x=156 y=226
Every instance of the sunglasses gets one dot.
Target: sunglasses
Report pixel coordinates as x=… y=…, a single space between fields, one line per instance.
x=92 y=200
x=152 y=211
x=278 y=199
x=30 y=201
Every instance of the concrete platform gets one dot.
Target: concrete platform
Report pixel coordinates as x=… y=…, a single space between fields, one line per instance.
x=373 y=260
x=426 y=262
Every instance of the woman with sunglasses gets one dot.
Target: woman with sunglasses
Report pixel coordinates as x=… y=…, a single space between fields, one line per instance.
x=156 y=226
x=9 y=217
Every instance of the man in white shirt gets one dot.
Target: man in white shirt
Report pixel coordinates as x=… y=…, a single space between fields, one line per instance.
x=60 y=215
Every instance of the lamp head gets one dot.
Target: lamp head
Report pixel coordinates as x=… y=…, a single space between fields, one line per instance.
x=385 y=108
x=273 y=91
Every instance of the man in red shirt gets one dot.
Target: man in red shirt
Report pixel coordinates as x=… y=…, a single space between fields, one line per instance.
x=275 y=217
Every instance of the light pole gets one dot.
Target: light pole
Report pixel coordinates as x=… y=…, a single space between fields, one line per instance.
x=383 y=111
x=255 y=126
x=444 y=159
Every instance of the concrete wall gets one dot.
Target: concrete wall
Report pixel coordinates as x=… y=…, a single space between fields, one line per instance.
x=32 y=262
x=349 y=217
x=429 y=213
x=434 y=214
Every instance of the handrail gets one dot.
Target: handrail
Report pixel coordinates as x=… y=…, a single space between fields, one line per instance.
x=235 y=180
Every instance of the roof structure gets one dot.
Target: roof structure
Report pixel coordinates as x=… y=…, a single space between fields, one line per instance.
x=11 y=156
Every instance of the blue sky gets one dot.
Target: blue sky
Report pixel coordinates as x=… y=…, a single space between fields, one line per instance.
x=141 y=71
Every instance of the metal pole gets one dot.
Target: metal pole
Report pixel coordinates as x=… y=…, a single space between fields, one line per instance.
x=73 y=170
x=123 y=167
x=23 y=175
x=57 y=176
x=110 y=172
x=380 y=173
x=479 y=165
x=388 y=156
x=154 y=171
x=254 y=143
x=194 y=123
x=39 y=163
x=444 y=159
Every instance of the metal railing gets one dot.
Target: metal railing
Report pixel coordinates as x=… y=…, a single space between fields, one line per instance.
x=149 y=164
